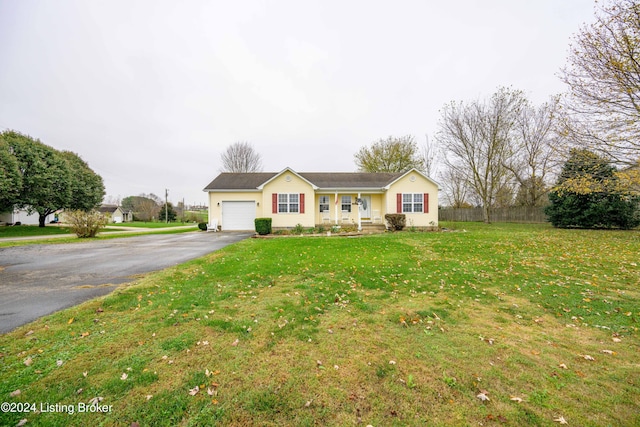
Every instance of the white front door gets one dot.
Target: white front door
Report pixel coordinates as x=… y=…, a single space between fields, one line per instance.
x=365 y=207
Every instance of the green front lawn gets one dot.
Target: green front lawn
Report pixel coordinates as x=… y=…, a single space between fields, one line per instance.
x=142 y=224
x=32 y=230
x=484 y=325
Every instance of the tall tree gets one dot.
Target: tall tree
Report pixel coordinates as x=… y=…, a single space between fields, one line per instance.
x=533 y=154
x=477 y=139
x=241 y=157
x=87 y=188
x=10 y=178
x=45 y=175
x=390 y=155
x=603 y=74
x=145 y=207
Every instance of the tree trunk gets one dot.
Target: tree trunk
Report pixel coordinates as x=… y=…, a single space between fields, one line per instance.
x=486 y=214
x=41 y=219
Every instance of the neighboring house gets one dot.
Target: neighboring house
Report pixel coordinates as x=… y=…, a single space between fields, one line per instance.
x=116 y=214
x=23 y=217
x=330 y=198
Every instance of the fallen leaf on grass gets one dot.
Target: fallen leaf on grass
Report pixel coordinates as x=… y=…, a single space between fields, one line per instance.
x=15 y=393
x=235 y=343
x=194 y=391
x=560 y=420
x=21 y=422
x=124 y=376
x=587 y=357
x=59 y=362
x=28 y=333
x=94 y=401
x=562 y=366
x=306 y=405
x=28 y=361
x=516 y=399
x=483 y=396
x=611 y=352
x=70 y=321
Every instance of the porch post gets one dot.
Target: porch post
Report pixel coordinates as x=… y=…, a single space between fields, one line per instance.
x=335 y=208
x=359 y=213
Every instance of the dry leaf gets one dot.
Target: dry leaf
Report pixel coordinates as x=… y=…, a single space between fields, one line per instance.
x=306 y=405
x=15 y=393
x=560 y=420
x=194 y=391
x=207 y=372
x=235 y=343
x=616 y=339
x=85 y=373
x=28 y=361
x=28 y=333
x=483 y=397
x=608 y=352
x=59 y=362
x=124 y=376
x=562 y=366
x=392 y=362
x=516 y=399
x=587 y=357
x=149 y=396
x=212 y=391
x=70 y=321
x=95 y=400
x=21 y=422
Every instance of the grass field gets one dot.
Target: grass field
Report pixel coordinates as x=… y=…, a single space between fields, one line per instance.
x=32 y=230
x=484 y=325
x=142 y=224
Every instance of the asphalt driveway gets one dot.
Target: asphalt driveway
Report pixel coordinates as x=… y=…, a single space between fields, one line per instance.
x=37 y=280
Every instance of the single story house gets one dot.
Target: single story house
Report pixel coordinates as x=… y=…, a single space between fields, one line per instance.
x=24 y=217
x=116 y=214
x=313 y=198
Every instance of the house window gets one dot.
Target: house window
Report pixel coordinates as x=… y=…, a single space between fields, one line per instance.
x=346 y=203
x=288 y=203
x=412 y=202
x=324 y=203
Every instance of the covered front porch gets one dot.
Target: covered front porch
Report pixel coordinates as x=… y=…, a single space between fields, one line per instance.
x=349 y=208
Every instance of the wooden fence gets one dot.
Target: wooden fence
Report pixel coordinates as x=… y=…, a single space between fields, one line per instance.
x=512 y=214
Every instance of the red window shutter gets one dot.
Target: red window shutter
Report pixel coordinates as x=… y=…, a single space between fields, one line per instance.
x=274 y=203
x=426 y=203
x=399 y=202
x=301 y=203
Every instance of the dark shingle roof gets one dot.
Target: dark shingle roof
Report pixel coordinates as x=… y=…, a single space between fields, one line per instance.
x=350 y=179
x=239 y=181
x=251 y=181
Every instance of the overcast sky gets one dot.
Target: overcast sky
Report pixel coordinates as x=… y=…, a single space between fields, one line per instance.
x=150 y=93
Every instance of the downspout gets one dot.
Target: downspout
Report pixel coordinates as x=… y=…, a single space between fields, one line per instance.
x=359 y=213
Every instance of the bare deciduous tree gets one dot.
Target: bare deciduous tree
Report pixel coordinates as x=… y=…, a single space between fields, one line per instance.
x=477 y=139
x=241 y=157
x=533 y=158
x=602 y=110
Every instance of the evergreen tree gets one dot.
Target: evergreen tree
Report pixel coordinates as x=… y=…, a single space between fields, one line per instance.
x=590 y=194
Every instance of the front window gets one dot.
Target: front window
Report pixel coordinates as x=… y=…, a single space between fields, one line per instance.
x=324 y=203
x=346 y=203
x=412 y=203
x=288 y=203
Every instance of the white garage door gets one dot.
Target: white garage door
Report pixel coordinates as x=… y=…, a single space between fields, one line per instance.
x=238 y=215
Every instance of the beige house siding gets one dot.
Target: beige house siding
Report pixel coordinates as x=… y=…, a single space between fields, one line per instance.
x=414 y=182
x=289 y=183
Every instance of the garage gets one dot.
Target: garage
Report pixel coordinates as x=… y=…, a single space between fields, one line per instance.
x=238 y=215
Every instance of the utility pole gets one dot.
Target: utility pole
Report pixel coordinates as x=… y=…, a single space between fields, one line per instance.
x=166 y=206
